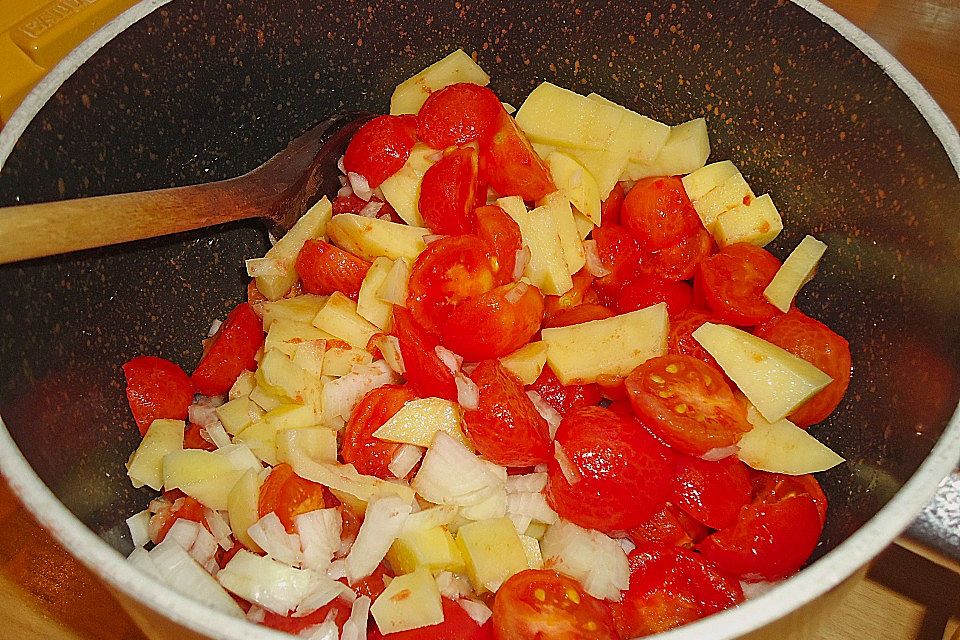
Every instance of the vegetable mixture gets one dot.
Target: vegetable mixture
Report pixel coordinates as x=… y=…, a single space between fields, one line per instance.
x=528 y=376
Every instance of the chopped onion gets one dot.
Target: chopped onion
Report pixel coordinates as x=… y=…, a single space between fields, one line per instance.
x=182 y=573
x=627 y=545
x=405 y=458
x=371 y=209
x=431 y=238
x=533 y=505
x=390 y=348
x=520 y=262
x=256 y=614
x=260 y=267
x=344 y=191
x=720 y=453
x=755 y=589
x=382 y=524
x=451 y=474
x=468 y=393
x=195 y=540
x=341 y=396
x=355 y=628
x=219 y=527
x=214 y=327
x=272 y=536
x=520 y=522
x=566 y=465
x=453 y=585
x=429 y=518
x=493 y=506
x=319 y=533
x=266 y=582
x=340 y=166
x=360 y=186
x=436 y=156
x=338 y=569
x=595 y=560
x=449 y=358
x=203 y=411
x=526 y=483
x=140 y=558
x=241 y=457
x=322 y=592
x=215 y=433
x=476 y=610
x=326 y=630
x=548 y=413
x=139 y=526
x=594 y=264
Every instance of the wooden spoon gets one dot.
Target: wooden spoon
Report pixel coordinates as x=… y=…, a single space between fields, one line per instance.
x=279 y=191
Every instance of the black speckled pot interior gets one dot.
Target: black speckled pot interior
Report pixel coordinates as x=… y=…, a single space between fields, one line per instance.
x=202 y=90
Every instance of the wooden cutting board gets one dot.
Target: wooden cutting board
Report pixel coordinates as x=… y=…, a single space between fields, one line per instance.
x=47 y=595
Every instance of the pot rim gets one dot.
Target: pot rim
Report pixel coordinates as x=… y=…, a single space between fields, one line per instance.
x=791 y=594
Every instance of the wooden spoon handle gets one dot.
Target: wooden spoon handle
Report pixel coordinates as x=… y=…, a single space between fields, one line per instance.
x=35 y=230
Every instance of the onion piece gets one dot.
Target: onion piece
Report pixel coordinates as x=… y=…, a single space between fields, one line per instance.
x=520 y=522
x=566 y=464
x=516 y=292
x=219 y=527
x=431 y=238
x=594 y=264
x=342 y=395
x=371 y=209
x=521 y=261
x=592 y=558
x=340 y=166
x=756 y=589
x=453 y=585
x=203 y=411
x=265 y=267
x=272 y=536
x=449 y=358
x=182 y=573
x=323 y=591
x=215 y=433
x=451 y=474
x=344 y=191
x=627 y=545
x=527 y=483
x=382 y=524
x=476 y=610
x=139 y=526
x=214 y=327
x=719 y=453
x=265 y=582
x=429 y=518
x=326 y=630
x=468 y=393
x=256 y=614
x=140 y=558
x=547 y=412
x=532 y=505
x=355 y=628
x=360 y=186
x=197 y=541
x=319 y=533
x=405 y=458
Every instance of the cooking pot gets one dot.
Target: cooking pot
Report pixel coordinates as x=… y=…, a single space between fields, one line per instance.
x=815 y=113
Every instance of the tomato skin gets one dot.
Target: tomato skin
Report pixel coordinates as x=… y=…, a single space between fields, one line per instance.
x=669 y=587
x=733 y=280
x=509 y=164
x=505 y=427
x=456 y=625
x=680 y=340
x=371 y=456
x=679 y=261
x=819 y=345
x=380 y=147
x=620 y=253
x=578 y=315
x=501 y=234
x=564 y=398
x=457 y=114
x=658 y=213
x=582 y=292
x=232 y=351
x=670 y=526
x=182 y=507
x=493 y=324
x=645 y=291
x=448 y=193
x=288 y=495
x=447 y=273
x=536 y=604
x=156 y=388
x=425 y=371
x=779 y=485
x=193 y=440
x=712 y=492
x=625 y=474
x=699 y=412
x=324 y=269
x=611 y=207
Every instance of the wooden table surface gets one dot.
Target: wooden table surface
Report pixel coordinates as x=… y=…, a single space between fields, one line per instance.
x=47 y=595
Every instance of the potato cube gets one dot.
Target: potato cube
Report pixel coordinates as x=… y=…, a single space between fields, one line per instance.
x=686 y=150
x=526 y=362
x=371 y=238
x=733 y=191
x=312 y=224
x=339 y=362
x=783 y=447
x=645 y=136
x=547 y=268
x=492 y=551
x=205 y=476
x=560 y=117
x=402 y=189
x=278 y=375
x=316 y=443
x=236 y=414
x=433 y=549
x=309 y=356
x=418 y=421
x=707 y=178
x=265 y=399
x=394 y=287
x=369 y=305
x=796 y=271
x=457 y=67
x=756 y=221
x=243 y=386
x=531 y=547
x=296 y=309
x=339 y=317
x=146 y=464
x=261 y=436
x=243 y=507
x=571 y=245
x=285 y=335
x=576 y=184
x=409 y=602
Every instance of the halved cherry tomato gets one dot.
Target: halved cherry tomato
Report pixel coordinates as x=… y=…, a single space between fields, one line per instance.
x=620 y=253
x=578 y=315
x=494 y=323
x=505 y=427
x=625 y=475
x=424 y=369
x=232 y=351
x=581 y=293
x=447 y=273
x=536 y=604
x=294 y=625
x=501 y=234
x=509 y=164
x=670 y=526
x=687 y=403
x=456 y=625
x=680 y=340
x=819 y=345
x=457 y=114
x=669 y=587
x=611 y=207
x=773 y=536
x=679 y=261
x=192 y=439
x=348 y=204
x=644 y=291
x=288 y=495
x=564 y=398
x=658 y=213
x=782 y=485
x=380 y=147
x=371 y=456
x=181 y=506
x=733 y=280
x=448 y=193
x=712 y=492
x=324 y=268
x=156 y=388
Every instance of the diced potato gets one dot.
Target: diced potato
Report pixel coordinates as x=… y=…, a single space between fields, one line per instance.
x=265 y=399
x=371 y=238
x=576 y=184
x=146 y=464
x=316 y=443
x=757 y=221
x=394 y=286
x=410 y=601
x=611 y=347
x=686 y=150
x=796 y=271
x=571 y=245
x=645 y=136
x=281 y=377
x=774 y=380
x=243 y=507
x=338 y=362
x=584 y=225
x=733 y=191
x=531 y=547
x=433 y=549
x=204 y=475
x=236 y=414
x=526 y=362
x=390 y=349
x=707 y=178
x=547 y=268
x=402 y=189
x=339 y=317
x=261 y=436
x=783 y=447
x=560 y=117
x=309 y=356
x=369 y=305
x=457 y=67
x=493 y=552
x=418 y=421
x=284 y=335
x=605 y=165
x=243 y=386
x=296 y=309
x=312 y=224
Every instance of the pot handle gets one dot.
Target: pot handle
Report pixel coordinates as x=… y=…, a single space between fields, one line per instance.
x=935 y=534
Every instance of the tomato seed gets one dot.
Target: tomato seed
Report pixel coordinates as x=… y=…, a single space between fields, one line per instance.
x=657 y=379
x=672 y=368
x=540 y=595
x=680 y=408
x=573 y=595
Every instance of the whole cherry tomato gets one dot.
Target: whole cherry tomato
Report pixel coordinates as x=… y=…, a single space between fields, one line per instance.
x=733 y=280
x=679 y=261
x=494 y=323
x=670 y=526
x=156 y=388
x=644 y=291
x=288 y=495
x=501 y=234
x=620 y=253
x=509 y=164
x=372 y=456
x=457 y=114
x=448 y=193
x=712 y=492
x=232 y=351
x=564 y=398
x=381 y=147
x=324 y=268
x=658 y=213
